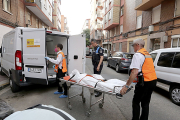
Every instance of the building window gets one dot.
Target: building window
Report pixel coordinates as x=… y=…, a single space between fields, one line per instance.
x=120 y=46
x=37 y=23
x=175 y=43
x=42 y=25
x=121 y=29
x=87 y=22
x=109 y=15
x=7 y=5
x=177 y=9
x=114 y=46
x=49 y=10
x=106 y=17
x=45 y=4
x=156 y=13
x=139 y=22
x=29 y=18
x=122 y=11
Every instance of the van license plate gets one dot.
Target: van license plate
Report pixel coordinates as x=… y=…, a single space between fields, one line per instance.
x=35 y=70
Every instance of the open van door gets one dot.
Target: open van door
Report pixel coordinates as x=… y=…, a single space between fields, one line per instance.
x=76 y=53
x=33 y=51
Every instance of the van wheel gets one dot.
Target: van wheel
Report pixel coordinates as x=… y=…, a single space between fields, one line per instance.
x=175 y=94
x=13 y=85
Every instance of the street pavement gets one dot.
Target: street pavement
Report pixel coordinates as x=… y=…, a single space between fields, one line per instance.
x=4 y=81
x=161 y=108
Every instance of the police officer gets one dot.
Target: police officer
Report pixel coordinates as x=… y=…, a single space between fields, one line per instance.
x=142 y=67
x=97 y=60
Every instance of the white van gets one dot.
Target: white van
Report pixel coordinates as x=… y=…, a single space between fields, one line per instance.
x=24 y=51
x=167 y=67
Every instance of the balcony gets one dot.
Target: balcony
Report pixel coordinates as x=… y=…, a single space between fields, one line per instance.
x=99 y=16
x=98 y=27
x=147 y=4
x=99 y=5
x=35 y=7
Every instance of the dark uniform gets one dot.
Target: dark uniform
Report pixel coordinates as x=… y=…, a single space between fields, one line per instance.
x=97 y=53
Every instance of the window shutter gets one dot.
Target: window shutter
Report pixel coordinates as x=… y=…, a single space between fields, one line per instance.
x=177 y=11
x=174 y=44
x=139 y=22
x=156 y=14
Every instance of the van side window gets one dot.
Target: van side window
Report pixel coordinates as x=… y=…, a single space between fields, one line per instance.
x=165 y=59
x=153 y=55
x=176 y=61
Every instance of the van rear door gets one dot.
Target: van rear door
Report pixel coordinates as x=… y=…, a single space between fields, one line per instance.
x=34 y=62
x=76 y=53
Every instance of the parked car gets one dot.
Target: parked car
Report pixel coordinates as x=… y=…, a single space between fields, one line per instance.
x=167 y=67
x=120 y=61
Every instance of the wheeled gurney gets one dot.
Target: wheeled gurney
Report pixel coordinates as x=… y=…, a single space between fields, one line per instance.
x=69 y=81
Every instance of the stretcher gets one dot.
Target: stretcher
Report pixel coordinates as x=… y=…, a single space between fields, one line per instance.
x=69 y=81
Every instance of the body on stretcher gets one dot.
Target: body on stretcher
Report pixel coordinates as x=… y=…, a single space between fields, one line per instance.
x=97 y=82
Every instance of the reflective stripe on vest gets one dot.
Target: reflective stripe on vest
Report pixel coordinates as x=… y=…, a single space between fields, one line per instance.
x=148 y=70
x=64 y=68
x=97 y=50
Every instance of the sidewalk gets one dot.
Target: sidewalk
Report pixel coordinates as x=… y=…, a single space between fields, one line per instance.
x=4 y=81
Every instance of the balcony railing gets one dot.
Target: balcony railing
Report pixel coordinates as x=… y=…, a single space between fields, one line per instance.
x=38 y=2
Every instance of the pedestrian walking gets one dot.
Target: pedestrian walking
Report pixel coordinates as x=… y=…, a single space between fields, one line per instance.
x=142 y=67
x=60 y=69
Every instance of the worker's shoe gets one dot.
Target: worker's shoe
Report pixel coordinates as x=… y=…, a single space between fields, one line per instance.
x=63 y=96
x=58 y=92
x=98 y=94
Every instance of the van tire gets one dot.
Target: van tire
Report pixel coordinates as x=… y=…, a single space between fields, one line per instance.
x=14 y=87
x=173 y=91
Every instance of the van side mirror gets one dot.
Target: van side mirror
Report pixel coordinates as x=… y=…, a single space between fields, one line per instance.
x=1 y=50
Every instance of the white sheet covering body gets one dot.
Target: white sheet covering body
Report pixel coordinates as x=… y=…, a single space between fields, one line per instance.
x=111 y=85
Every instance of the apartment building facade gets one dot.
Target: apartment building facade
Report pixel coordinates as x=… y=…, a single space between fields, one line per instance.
x=56 y=15
x=64 y=25
x=24 y=13
x=96 y=23
x=113 y=25
x=86 y=25
x=157 y=22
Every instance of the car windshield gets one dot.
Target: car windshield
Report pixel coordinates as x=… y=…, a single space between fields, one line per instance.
x=128 y=56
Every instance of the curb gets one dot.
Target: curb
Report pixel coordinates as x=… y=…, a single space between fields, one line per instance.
x=3 y=86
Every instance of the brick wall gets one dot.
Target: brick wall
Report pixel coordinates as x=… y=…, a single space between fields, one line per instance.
x=129 y=23
x=124 y=46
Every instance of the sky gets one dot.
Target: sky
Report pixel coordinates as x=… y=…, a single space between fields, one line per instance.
x=76 y=11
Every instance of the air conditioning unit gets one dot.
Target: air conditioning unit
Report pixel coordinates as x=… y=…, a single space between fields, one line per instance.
x=151 y=28
x=165 y=38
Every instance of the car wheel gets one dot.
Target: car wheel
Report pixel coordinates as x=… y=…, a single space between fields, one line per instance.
x=175 y=95
x=13 y=85
x=117 y=68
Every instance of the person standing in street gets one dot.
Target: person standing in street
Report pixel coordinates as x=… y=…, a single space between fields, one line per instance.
x=97 y=60
x=142 y=67
x=60 y=69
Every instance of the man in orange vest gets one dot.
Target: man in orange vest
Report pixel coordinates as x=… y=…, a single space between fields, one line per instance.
x=142 y=67
x=60 y=69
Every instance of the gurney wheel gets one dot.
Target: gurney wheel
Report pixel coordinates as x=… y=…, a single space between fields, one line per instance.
x=84 y=100
x=88 y=114
x=100 y=105
x=70 y=107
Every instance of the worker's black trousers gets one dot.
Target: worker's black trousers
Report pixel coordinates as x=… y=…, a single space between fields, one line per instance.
x=59 y=75
x=95 y=69
x=142 y=94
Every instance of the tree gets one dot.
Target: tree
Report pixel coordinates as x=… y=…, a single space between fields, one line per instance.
x=87 y=33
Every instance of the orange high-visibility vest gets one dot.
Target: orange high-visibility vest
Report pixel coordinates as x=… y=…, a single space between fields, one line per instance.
x=64 y=68
x=148 y=70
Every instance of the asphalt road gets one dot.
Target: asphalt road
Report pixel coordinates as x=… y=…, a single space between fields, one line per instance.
x=161 y=108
